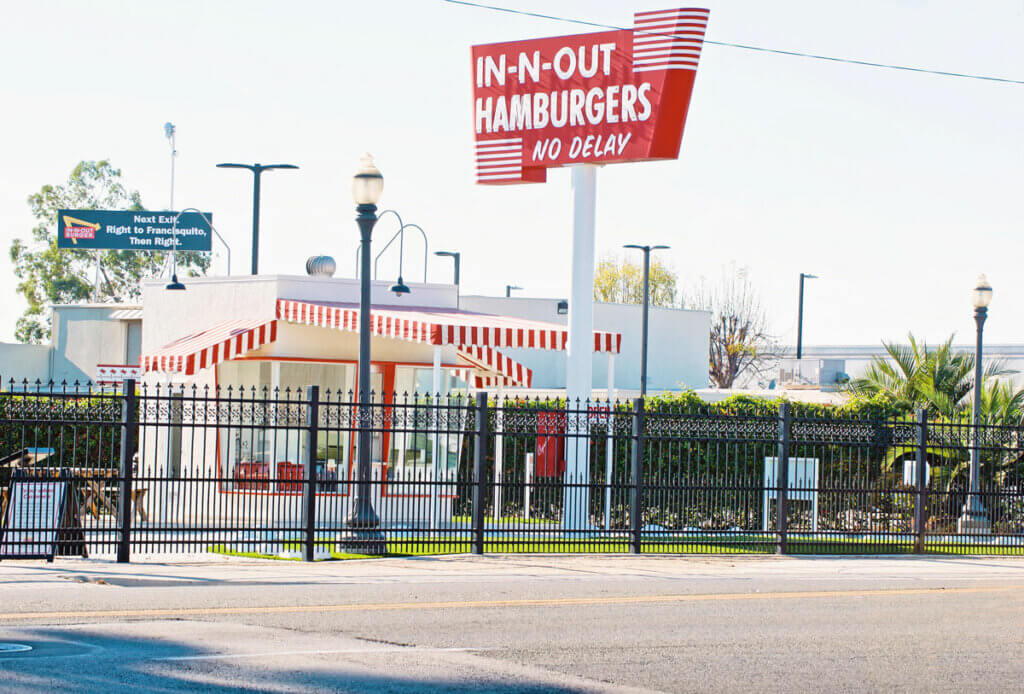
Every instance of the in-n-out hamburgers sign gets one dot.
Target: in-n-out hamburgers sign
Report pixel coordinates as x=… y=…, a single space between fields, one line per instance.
x=601 y=98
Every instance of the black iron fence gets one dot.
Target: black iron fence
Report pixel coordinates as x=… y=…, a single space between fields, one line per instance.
x=154 y=469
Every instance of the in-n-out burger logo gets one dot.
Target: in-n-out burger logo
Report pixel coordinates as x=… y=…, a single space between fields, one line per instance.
x=75 y=229
x=607 y=97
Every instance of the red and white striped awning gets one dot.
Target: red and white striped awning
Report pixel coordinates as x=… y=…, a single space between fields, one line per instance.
x=442 y=326
x=492 y=368
x=474 y=335
x=210 y=347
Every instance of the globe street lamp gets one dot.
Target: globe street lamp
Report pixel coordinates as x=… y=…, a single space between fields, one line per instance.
x=973 y=518
x=647 y=292
x=256 y=169
x=367 y=185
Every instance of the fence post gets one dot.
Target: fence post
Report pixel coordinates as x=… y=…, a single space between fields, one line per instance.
x=309 y=489
x=129 y=435
x=479 y=459
x=782 y=478
x=636 y=491
x=921 y=480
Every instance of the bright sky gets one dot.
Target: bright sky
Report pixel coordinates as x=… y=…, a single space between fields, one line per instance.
x=896 y=188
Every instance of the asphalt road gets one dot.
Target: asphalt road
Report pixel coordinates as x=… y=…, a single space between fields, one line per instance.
x=515 y=624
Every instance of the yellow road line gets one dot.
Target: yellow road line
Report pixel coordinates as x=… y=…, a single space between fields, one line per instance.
x=532 y=602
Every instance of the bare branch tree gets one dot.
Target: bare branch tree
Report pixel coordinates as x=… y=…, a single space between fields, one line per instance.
x=740 y=341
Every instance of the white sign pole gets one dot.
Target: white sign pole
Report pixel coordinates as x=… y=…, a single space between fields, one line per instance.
x=609 y=457
x=579 y=358
x=435 y=447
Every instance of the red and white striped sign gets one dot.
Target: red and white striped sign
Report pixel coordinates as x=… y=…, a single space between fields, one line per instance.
x=600 y=98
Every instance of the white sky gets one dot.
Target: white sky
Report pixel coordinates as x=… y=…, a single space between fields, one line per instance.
x=896 y=188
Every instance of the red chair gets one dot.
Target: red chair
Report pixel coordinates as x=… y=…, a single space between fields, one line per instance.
x=252 y=475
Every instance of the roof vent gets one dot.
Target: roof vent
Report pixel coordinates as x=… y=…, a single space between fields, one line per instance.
x=321 y=266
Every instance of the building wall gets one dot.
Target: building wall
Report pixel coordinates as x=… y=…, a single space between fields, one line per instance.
x=24 y=362
x=84 y=336
x=677 y=355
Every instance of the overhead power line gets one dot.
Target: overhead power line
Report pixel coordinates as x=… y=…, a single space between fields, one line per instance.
x=798 y=54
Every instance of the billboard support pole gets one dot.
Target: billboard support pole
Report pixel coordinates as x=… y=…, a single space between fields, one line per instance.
x=579 y=357
x=96 y=281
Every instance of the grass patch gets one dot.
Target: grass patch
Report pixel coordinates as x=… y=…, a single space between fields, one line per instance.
x=693 y=544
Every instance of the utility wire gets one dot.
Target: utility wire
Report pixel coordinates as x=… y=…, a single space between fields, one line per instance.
x=850 y=61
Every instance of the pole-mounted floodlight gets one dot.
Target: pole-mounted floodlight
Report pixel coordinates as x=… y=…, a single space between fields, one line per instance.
x=455 y=256
x=256 y=169
x=646 y=303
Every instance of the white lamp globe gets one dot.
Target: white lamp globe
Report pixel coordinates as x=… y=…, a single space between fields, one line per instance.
x=368 y=183
x=981 y=295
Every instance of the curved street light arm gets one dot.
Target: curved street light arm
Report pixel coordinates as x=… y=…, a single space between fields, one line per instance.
x=401 y=225
x=377 y=258
x=425 y=248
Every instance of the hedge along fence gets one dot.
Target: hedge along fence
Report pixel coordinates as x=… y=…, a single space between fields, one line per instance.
x=82 y=429
x=709 y=459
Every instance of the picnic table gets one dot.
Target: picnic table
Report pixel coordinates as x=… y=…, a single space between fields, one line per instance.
x=96 y=498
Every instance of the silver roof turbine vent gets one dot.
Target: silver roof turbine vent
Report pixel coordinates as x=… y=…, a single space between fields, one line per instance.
x=321 y=266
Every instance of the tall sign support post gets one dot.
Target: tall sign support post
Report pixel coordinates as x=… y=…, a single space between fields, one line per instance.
x=583 y=101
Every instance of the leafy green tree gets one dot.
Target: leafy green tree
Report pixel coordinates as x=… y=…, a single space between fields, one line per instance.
x=49 y=275
x=621 y=281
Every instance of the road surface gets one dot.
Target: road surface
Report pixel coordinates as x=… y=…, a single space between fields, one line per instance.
x=515 y=624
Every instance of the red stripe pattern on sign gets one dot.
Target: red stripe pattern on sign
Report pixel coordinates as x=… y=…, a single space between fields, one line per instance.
x=499 y=160
x=668 y=39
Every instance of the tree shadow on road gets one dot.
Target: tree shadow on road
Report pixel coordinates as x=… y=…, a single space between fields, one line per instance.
x=81 y=661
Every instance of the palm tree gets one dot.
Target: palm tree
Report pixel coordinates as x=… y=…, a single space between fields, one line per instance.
x=940 y=380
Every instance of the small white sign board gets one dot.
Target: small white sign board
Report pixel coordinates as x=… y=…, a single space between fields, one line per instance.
x=802 y=485
x=910 y=473
x=35 y=509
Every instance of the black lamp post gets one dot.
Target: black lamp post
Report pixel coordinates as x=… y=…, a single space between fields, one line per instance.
x=647 y=299
x=367 y=185
x=973 y=518
x=256 y=169
x=800 y=316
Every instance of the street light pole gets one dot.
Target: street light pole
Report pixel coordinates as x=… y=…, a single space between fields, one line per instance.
x=509 y=288
x=646 y=303
x=973 y=518
x=367 y=185
x=457 y=257
x=257 y=169
x=800 y=316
